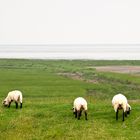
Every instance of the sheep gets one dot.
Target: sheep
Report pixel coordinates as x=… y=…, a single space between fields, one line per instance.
x=16 y=96
x=119 y=101
x=79 y=105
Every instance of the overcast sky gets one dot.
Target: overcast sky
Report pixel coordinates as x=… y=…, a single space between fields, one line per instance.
x=69 y=21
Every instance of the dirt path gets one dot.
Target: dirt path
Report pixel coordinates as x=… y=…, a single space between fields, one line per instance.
x=120 y=69
x=135 y=70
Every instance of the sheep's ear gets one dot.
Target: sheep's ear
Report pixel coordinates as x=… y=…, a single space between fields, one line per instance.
x=129 y=107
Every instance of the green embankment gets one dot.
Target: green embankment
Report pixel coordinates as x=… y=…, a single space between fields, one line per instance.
x=49 y=90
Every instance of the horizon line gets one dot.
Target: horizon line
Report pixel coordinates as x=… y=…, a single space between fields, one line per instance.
x=69 y=44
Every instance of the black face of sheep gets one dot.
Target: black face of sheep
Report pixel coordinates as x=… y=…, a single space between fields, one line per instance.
x=5 y=104
x=75 y=113
x=128 y=112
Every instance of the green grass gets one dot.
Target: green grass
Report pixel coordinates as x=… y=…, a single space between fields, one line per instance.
x=48 y=98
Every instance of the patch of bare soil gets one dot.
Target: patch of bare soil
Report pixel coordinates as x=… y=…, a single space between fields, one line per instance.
x=77 y=76
x=119 y=69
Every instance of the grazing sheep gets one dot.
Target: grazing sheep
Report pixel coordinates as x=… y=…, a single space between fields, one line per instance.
x=119 y=101
x=79 y=105
x=16 y=96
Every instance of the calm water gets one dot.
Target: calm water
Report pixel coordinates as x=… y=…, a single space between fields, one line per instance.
x=109 y=52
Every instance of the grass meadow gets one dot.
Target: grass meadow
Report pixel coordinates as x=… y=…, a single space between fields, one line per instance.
x=49 y=88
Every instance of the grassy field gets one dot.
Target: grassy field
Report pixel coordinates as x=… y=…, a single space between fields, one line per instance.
x=49 y=88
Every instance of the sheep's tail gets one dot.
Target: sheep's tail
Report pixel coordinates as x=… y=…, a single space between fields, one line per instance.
x=82 y=107
x=120 y=106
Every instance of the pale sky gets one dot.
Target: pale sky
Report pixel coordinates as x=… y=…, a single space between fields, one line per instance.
x=69 y=21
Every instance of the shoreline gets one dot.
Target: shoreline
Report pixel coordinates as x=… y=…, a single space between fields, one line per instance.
x=73 y=56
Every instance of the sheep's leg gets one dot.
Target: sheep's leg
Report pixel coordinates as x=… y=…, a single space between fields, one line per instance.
x=75 y=113
x=117 y=115
x=123 y=115
x=16 y=105
x=78 y=114
x=128 y=112
x=86 y=115
x=20 y=105
x=9 y=104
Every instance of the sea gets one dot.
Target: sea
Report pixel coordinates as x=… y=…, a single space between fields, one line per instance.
x=71 y=51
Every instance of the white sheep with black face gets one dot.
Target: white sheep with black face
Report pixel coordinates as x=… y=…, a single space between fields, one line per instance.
x=15 y=96
x=119 y=101
x=79 y=105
